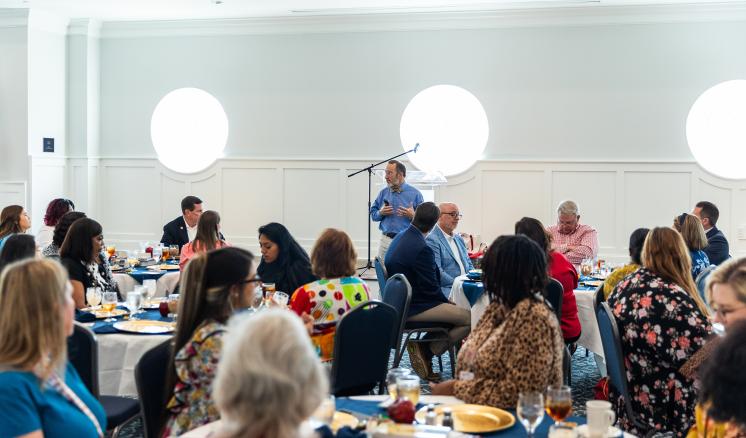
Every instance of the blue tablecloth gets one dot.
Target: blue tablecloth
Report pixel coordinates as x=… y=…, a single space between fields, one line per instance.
x=473 y=290
x=141 y=273
x=371 y=408
x=100 y=327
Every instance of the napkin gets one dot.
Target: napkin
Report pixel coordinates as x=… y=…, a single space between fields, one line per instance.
x=473 y=291
x=81 y=316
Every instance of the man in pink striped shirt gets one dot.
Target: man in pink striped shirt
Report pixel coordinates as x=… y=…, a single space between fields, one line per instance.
x=575 y=241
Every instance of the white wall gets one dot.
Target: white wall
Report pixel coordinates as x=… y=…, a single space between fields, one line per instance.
x=13 y=103
x=559 y=92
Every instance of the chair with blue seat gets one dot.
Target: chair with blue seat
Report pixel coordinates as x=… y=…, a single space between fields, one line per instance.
x=359 y=366
x=151 y=373
x=553 y=294
x=398 y=294
x=701 y=281
x=612 y=344
x=82 y=352
x=381 y=275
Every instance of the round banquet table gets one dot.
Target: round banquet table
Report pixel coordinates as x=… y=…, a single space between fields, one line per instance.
x=165 y=281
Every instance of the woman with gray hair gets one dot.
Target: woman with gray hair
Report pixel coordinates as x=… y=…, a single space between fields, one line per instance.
x=270 y=379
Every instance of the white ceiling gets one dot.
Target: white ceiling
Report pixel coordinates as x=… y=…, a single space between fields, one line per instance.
x=117 y=10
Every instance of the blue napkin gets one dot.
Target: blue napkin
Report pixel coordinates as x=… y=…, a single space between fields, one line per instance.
x=81 y=316
x=473 y=291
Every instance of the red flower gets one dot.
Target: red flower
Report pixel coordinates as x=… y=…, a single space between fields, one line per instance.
x=646 y=301
x=684 y=342
x=651 y=337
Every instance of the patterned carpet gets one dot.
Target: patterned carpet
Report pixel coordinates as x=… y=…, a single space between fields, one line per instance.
x=585 y=375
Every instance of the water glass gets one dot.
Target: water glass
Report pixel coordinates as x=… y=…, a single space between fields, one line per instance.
x=150 y=286
x=391 y=378
x=133 y=303
x=157 y=253
x=109 y=303
x=530 y=410
x=408 y=387
x=93 y=296
x=281 y=299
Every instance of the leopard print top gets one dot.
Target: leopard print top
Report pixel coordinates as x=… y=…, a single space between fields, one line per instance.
x=509 y=352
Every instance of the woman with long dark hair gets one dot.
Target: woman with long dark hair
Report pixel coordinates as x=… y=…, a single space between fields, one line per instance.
x=207 y=238
x=214 y=285
x=55 y=210
x=60 y=231
x=81 y=254
x=17 y=247
x=284 y=262
x=13 y=220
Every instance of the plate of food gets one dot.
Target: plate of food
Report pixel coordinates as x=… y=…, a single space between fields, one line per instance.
x=145 y=326
x=472 y=418
x=100 y=313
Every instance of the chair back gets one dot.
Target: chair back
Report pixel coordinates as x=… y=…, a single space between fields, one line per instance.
x=150 y=377
x=398 y=294
x=598 y=298
x=553 y=293
x=380 y=274
x=82 y=352
x=614 y=357
x=362 y=345
x=701 y=281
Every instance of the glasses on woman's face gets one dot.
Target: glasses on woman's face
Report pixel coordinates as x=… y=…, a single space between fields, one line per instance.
x=454 y=214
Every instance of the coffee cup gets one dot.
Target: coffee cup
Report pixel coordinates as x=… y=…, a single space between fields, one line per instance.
x=600 y=417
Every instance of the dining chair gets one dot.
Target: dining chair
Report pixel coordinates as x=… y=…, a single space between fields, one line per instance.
x=398 y=294
x=701 y=281
x=150 y=377
x=362 y=345
x=381 y=275
x=612 y=345
x=82 y=352
x=553 y=293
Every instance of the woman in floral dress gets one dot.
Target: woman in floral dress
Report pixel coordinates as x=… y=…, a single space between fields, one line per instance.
x=662 y=322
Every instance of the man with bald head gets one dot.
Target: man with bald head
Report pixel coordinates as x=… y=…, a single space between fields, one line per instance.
x=449 y=248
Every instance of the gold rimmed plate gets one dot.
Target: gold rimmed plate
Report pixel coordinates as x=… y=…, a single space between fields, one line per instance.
x=153 y=303
x=168 y=267
x=342 y=419
x=145 y=326
x=100 y=313
x=472 y=418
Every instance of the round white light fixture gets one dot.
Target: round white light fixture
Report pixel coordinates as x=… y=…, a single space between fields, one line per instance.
x=189 y=130
x=451 y=127
x=716 y=129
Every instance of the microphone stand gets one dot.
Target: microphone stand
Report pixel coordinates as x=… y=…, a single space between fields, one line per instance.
x=369 y=169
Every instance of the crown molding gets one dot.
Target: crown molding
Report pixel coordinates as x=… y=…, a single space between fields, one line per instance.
x=10 y=18
x=84 y=27
x=381 y=22
x=44 y=21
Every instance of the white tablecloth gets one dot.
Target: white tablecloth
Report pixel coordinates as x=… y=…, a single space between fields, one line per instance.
x=164 y=285
x=118 y=354
x=457 y=297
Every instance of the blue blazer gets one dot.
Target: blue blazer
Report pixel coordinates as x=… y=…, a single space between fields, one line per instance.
x=445 y=260
x=717 y=246
x=409 y=254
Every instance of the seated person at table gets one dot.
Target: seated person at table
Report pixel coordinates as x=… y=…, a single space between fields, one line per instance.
x=717 y=249
x=81 y=254
x=183 y=229
x=695 y=239
x=13 y=220
x=636 y=240
x=208 y=238
x=726 y=292
x=662 y=322
x=448 y=247
x=55 y=210
x=215 y=285
x=410 y=255
x=338 y=289
x=561 y=270
x=17 y=247
x=517 y=345
x=569 y=237
x=41 y=394
x=270 y=380
x=284 y=262
x=60 y=231
x=721 y=412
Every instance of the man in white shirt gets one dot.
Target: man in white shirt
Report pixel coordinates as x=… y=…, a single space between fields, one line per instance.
x=449 y=248
x=183 y=229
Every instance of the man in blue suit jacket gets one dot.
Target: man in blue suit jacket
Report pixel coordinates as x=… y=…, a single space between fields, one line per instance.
x=449 y=248
x=717 y=249
x=410 y=255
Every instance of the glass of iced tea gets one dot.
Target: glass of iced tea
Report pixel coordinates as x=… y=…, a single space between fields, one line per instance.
x=166 y=253
x=109 y=303
x=173 y=250
x=269 y=291
x=391 y=377
x=408 y=387
x=111 y=250
x=558 y=402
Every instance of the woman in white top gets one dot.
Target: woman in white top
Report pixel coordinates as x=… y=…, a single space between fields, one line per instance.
x=55 y=210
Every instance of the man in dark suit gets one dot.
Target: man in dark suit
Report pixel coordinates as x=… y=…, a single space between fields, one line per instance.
x=717 y=249
x=182 y=230
x=410 y=255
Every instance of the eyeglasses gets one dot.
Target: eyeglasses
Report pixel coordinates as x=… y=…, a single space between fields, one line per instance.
x=454 y=214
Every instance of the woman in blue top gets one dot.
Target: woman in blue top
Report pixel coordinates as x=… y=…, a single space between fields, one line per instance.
x=695 y=238
x=41 y=395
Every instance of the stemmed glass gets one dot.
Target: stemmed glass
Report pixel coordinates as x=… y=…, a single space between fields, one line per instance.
x=109 y=303
x=133 y=303
x=157 y=253
x=150 y=289
x=173 y=250
x=93 y=296
x=530 y=410
x=559 y=403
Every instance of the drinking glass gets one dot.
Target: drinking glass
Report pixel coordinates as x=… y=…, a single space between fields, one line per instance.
x=173 y=305
x=93 y=296
x=150 y=286
x=133 y=303
x=559 y=402
x=269 y=291
x=174 y=251
x=109 y=303
x=391 y=377
x=111 y=250
x=281 y=298
x=408 y=387
x=258 y=300
x=586 y=267
x=157 y=253
x=166 y=253
x=530 y=410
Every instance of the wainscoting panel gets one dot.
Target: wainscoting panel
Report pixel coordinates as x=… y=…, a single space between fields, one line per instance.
x=131 y=202
x=312 y=201
x=652 y=199
x=509 y=195
x=13 y=193
x=250 y=198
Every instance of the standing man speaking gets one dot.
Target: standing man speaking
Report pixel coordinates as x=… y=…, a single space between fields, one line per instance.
x=394 y=206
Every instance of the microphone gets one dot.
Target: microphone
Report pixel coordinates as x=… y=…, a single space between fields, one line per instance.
x=416 y=146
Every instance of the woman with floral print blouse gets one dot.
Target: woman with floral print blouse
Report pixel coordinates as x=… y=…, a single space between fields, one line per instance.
x=662 y=322
x=215 y=284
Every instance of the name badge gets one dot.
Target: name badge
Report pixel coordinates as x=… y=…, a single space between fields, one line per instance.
x=465 y=375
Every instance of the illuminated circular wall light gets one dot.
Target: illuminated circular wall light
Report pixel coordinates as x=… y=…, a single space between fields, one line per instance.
x=716 y=129
x=189 y=129
x=451 y=127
